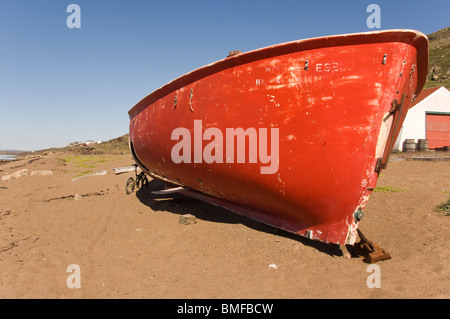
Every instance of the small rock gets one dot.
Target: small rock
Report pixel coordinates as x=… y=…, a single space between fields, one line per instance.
x=104 y=172
x=22 y=172
x=273 y=266
x=42 y=173
x=187 y=219
x=77 y=197
x=19 y=174
x=16 y=175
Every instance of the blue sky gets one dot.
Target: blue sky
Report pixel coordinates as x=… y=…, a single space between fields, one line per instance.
x=59 y=85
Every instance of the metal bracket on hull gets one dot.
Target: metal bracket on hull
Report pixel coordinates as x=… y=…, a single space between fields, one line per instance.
x=380 y=165
x=191 y=94
x=399 y=116
x=371 y=252
x=394 y=108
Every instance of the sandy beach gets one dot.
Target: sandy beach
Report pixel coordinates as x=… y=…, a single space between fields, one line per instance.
x=133 y=246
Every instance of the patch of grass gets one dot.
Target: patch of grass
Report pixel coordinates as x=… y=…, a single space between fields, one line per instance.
x=88 y=161
x=83 y=173
x=85 y=162
x=388 y=189
x=444 y=208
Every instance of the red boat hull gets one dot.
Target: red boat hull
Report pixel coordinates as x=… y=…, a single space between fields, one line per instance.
x=332 y=106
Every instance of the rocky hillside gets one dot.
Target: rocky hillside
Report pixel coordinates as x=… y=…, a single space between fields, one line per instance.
x=439 y=62
x=115 y=146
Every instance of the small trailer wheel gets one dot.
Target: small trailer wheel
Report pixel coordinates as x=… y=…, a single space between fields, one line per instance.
x=129 y=186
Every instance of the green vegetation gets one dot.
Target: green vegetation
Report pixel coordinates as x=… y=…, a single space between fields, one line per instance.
x=86 y=163
x=444 y=208
x=388 y=189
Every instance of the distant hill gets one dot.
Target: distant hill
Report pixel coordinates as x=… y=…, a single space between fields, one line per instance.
x=116 y=146
x=439 y=60
x=12 y=152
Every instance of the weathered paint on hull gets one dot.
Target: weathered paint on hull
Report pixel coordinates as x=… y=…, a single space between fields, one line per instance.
x=330 y=99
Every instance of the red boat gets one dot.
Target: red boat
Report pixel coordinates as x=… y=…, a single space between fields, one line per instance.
x=292 y=135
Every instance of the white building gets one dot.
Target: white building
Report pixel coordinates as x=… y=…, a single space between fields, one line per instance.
x=428 y=118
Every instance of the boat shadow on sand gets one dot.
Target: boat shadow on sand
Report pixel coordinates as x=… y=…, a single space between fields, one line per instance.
x=181 y=205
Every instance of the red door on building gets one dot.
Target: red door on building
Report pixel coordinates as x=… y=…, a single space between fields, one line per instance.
x=438 y=130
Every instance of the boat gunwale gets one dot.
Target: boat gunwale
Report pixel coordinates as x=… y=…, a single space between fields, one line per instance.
x=411 y=37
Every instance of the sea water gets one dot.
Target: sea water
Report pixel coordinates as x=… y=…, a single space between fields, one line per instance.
x=7 y=157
